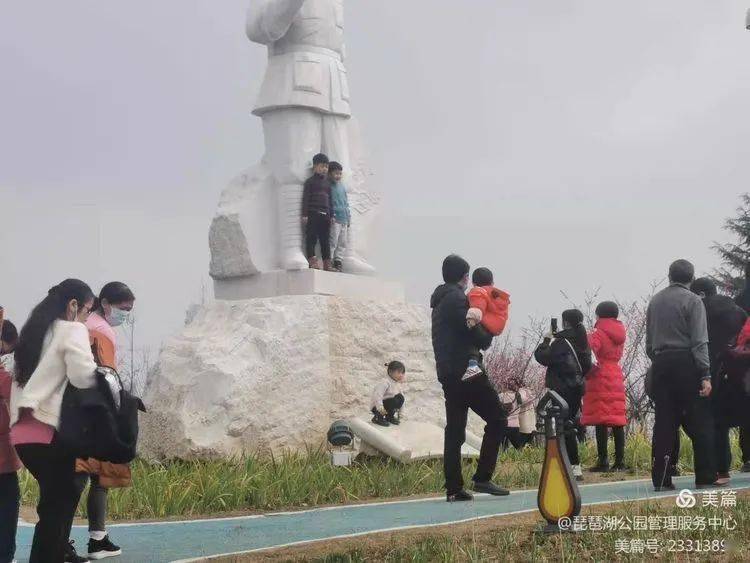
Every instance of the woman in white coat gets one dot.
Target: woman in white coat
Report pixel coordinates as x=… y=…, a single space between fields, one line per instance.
x=53 y=350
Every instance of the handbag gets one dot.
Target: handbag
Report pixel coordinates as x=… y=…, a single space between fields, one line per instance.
x=579 y=373
x=100 y=422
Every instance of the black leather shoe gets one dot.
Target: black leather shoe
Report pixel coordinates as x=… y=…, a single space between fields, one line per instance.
x=664 y=488
x=459 y=496
x=490 y=487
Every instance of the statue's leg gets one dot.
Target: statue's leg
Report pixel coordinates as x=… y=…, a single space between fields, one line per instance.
x=336 y=146
x=293 y=137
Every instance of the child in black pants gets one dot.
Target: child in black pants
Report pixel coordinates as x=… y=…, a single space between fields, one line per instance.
x=317 y=213
x=387 y=398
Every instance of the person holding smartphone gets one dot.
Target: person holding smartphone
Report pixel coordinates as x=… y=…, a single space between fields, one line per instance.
x=567 y=357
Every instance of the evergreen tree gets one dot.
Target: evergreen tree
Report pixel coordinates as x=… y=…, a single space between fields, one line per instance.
x=735 y=256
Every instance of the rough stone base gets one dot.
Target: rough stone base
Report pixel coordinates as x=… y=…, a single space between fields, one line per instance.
x=307 y=282
x=272 y=374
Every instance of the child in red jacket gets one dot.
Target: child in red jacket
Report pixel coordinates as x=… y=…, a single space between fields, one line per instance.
x=488 y=306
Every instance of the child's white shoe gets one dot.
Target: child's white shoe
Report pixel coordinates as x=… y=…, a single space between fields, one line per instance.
x=577 y=473
x=472 y=371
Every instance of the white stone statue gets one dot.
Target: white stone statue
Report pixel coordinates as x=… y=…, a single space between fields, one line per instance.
x=304 y=105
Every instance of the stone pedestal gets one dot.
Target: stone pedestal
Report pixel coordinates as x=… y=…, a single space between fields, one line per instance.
x=307 y=282
x=272 y=374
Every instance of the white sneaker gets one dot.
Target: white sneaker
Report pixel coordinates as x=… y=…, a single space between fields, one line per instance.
x=577 y=473
x=472 y=371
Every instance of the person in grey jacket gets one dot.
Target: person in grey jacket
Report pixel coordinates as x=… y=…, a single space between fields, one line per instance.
x=677 y=343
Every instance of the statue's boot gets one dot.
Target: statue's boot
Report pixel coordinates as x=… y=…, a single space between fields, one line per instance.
x=353 y=263
x=357 y=265
x=290 y=221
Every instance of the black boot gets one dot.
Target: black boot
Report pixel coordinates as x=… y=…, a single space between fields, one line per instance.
x=71 y=556
x=619 y=466
x=393 y=418
x=601 y=466
x=379 y=419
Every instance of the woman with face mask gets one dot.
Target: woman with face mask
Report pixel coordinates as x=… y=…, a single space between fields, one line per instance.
x=112 y=309
x=53 y=350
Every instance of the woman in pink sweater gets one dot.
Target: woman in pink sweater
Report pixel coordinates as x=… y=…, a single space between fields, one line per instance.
x=53 y=350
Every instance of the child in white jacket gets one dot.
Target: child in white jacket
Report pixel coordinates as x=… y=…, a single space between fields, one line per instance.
x=387 y=397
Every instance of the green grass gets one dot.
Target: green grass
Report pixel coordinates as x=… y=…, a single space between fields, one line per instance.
x=520 y=543
x=186 y=489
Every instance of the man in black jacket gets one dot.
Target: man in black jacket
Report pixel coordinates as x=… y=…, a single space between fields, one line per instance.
x=724 y=319
x=452 y=342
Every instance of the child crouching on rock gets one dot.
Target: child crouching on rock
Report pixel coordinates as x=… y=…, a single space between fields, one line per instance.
x=387 y=399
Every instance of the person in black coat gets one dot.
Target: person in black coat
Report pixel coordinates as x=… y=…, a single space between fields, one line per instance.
x=567 y=357
x=724 y=319
x=453 y=342
x=743 y=300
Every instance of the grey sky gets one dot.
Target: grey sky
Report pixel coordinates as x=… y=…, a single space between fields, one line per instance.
x=567 y=145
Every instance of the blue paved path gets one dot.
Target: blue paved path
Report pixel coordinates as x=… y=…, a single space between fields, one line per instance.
x=164 y=542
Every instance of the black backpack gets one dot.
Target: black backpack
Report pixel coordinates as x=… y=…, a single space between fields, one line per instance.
x=100 y=422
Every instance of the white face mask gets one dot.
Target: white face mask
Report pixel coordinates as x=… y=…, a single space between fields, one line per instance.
x=117 y=316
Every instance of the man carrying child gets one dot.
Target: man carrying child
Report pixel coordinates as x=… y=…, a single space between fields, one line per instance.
x=453 y=343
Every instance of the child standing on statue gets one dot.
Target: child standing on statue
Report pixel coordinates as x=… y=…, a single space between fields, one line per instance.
x=317 y=214
x=387 y=397
x=342 y=217
x=488 y=306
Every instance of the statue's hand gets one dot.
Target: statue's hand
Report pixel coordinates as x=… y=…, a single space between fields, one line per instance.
x=269 y=20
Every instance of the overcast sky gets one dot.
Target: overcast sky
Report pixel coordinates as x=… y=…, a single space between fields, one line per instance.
x=565 y=144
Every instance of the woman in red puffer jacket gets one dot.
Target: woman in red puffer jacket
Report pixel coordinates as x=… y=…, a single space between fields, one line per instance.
x=604 y=399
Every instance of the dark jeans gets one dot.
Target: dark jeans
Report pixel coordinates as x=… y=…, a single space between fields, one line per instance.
x=10 y=499
x=478 y=395
x=54 y=469
x=676 y=385
x=602 y=436
x=96 y=503
x=318 y=231
x=393 y=404
x=573 y=398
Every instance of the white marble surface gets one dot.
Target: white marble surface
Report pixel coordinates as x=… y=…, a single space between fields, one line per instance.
x=275 y=373
x=304 y=104
x=307 y=282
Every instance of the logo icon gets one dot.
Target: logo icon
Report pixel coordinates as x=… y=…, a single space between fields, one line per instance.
x=686 y=499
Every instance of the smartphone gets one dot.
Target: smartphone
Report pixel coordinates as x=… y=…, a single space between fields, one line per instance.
x=553 y=326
